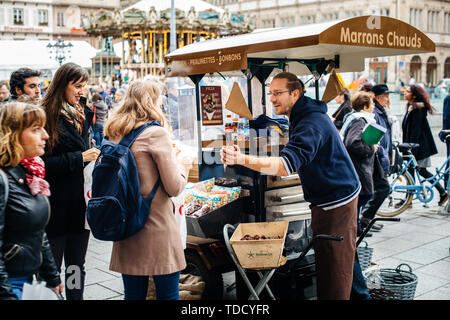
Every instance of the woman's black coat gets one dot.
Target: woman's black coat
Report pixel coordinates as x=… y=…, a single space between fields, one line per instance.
x=25 y=249
x=362 y=155
x=416 y=129
x=64 y=172
x=340 y=113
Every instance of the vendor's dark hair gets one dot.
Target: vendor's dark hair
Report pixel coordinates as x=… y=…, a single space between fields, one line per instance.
x=55 y=97
x=294 y=83
x=17 y=79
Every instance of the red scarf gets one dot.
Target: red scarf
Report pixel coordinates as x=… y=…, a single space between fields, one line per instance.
x=35 y=179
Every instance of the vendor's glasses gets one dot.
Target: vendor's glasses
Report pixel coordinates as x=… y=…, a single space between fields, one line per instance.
x=277 y=93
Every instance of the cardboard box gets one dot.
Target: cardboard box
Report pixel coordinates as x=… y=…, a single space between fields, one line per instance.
x=259 y=254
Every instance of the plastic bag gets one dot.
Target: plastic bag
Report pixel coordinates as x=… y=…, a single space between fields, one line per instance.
x=87 y=186
x=38 y=291
x=180 y=217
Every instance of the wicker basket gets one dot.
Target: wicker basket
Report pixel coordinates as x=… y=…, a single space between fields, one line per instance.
x=392 y=284
x=364 y=255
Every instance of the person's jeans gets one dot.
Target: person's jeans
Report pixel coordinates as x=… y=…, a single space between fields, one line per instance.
x=381 y=191
x=17 y=285
x=72 y=248
x=166 y=286
x=359 y=285
x=98 y=134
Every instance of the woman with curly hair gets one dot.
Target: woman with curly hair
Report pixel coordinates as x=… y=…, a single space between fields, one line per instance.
x=416 y=129
x=24 y=207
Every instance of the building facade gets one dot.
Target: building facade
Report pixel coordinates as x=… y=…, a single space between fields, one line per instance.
x=48 y=19
x=68 y=15
x=26 y=20
x=431 y=17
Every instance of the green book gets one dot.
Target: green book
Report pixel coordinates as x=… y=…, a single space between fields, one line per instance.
x=373 y=133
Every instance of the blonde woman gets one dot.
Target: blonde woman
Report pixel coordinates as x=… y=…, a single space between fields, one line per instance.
x=24 y=212
x=157 y=249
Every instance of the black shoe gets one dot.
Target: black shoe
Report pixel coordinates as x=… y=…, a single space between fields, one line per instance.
x=359 y=233
x=377 y=227
x=364 y=223
x=443 y=199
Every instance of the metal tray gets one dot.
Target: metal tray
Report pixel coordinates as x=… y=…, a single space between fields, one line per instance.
x=211 y=224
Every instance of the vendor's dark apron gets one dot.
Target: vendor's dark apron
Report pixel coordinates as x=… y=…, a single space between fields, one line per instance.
x=335 y=259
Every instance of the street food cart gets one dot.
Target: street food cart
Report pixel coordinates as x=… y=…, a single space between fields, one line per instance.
x=250 y=60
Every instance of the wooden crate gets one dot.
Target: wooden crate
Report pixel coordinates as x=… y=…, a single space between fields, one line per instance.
x=259 y=254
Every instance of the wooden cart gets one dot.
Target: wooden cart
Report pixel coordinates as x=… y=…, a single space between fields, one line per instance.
x=312 y=50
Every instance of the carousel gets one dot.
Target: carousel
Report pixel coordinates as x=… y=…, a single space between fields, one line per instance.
x=141 y=32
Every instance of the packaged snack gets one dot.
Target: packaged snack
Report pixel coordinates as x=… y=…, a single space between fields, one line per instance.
x=226 y=182
x=233 y=193
x=190 y=208
x=200 y=197
x=217 y=200
x=188 y=197
x=205 y=185
x=203 y=210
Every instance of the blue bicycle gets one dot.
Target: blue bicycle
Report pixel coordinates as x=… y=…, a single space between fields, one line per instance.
x=406 y=183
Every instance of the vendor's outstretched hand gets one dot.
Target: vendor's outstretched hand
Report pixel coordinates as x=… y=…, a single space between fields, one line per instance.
x=231 y=155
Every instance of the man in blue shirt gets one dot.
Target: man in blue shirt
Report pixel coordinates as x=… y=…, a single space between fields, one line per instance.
x=329 y=180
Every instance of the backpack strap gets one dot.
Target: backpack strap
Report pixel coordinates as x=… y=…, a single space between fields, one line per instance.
x=155 y=188
x=128 y=140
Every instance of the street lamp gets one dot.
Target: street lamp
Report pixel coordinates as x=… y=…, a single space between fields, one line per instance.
x=60 y=48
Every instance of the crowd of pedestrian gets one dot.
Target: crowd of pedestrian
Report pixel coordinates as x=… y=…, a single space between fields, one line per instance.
x=46 y=141
x=45 y=144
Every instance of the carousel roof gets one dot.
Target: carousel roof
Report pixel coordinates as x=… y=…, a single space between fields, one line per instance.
x=156 y=14
x=184 y=5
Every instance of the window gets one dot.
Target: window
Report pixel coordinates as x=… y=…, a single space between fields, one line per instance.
x=43 y=17
x=447 y=22
x=18 y=16
x=432 y=22
x=415 y=18
x=60 y=19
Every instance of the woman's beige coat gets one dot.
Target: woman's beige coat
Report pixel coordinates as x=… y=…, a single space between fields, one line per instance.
x=156 y=249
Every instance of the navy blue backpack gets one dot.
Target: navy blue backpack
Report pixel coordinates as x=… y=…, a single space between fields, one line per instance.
x=117 y=210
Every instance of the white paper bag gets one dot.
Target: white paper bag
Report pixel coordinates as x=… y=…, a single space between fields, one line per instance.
x=87 y=186
x=38 y=291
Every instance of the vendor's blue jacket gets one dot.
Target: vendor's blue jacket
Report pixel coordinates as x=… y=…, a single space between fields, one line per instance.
x=316 y=152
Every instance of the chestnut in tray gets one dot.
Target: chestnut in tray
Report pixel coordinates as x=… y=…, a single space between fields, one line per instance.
x=260 y=237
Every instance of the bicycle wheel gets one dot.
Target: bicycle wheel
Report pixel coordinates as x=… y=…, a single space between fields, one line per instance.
x=398 y=200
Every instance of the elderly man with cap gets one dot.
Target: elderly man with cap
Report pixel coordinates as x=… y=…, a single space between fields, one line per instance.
x=382 y=163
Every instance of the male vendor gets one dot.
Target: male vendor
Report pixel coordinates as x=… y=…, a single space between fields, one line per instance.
x=330 y=183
